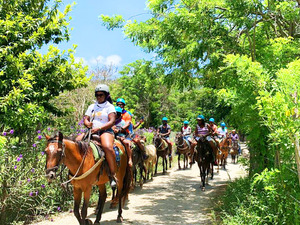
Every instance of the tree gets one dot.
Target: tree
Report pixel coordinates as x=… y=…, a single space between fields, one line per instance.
x=30 y=79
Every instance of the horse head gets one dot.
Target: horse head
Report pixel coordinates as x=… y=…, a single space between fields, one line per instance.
x=54 y=155
x=179 y=138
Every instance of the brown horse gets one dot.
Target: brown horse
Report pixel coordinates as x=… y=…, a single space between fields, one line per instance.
x=204 y=158
x=222 y=155
x=182 y=148
x=79 y=159
x=234 y=152
x=162 y=151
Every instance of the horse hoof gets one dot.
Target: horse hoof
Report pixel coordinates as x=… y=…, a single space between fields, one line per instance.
x=120 y=219
x=203 y=188
x=96 y=223
x=88 y=222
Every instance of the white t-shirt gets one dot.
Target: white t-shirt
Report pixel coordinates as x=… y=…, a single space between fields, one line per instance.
x=187 y=130
x=100 y=113
x=222 y=133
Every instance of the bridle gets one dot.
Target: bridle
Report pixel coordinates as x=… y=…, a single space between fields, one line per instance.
x=62 y=154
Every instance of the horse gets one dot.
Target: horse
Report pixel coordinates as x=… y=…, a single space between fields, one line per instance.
x=86 y=172
x=182 y=148
x=223 y=153
x=150 y=161
x=138 y=163
x=162 y=151
x=204 y=158
x=234 y=152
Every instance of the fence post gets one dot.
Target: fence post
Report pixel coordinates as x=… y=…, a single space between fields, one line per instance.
x=297 y=155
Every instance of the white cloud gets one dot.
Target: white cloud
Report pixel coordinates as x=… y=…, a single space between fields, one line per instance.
x=113 y=60
x=100 y=60
x=81 y=59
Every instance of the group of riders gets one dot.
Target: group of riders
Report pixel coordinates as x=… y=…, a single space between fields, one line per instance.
x=107 y=122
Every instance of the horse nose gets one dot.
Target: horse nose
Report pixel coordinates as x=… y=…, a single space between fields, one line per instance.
x=51 y=175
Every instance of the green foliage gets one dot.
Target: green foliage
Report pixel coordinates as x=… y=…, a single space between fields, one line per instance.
x=112 y=22
x=262 y=199
x=29 y=80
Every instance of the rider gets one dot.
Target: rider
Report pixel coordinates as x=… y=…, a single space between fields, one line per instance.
x=235 y=139
x=202 y=130
x=214 y=133
x=121 y=133
x=222 y=131
x=164 y=130
x=104 y=116
x=127 y=117
x=186 y=130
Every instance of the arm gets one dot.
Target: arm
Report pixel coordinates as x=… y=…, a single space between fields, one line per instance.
x=138 y=124
x=87 y=122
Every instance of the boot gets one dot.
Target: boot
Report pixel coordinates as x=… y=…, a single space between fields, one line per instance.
x=111 y=160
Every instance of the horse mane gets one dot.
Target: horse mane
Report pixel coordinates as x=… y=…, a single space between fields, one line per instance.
x=82 y=145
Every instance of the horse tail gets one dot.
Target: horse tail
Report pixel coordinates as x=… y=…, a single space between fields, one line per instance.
x=126 y=184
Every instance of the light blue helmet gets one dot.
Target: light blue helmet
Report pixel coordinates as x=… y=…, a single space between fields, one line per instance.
x=212 y=120
x=200 y=117
x=223 y=124
x=121 y=100
x=186 y=122
x=118 y=109
x=164 y=119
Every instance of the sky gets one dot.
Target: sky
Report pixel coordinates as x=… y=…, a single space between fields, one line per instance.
x=94 y=42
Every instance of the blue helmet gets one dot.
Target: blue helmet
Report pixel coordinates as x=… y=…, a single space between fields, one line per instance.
x=212 y=120
x=165 y=119
x=186 y=122
x=121 y=100
x=200 y=117
x=223 y=124
x=118 y=109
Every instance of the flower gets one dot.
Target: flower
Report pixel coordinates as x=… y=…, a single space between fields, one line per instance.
x=11 y=131
x=39 y=131
x=4 y=133
x=28 y=180
x=31 y=193
x=18 y=159
x=20 y=156
x=43 y=185
x=42 y=153
x=48 y=128
x=15 y=167
x=32 y=170
x=34 y=145
x=58 y=208
x=37 y=192
x=40 y=137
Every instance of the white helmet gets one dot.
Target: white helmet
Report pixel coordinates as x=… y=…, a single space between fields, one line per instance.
x=102 y=87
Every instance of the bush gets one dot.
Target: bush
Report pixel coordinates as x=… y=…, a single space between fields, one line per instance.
x=263 y=199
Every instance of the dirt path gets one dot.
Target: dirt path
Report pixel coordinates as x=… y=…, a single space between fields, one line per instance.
x=174 y=198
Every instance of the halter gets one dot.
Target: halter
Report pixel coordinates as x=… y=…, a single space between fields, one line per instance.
x=181 y=146
x=62 y=154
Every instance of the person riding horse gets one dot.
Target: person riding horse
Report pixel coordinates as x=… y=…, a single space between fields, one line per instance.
x=186 y=131
x=127 y=117
x=235 y=140
x=214 y=134
x=164 y=130
x=222 y=131
x=120 y=133
x=104 y=116
x=203 y=131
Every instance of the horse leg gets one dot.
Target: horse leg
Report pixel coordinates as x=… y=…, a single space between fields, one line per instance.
x=77 y=199
x=85 y=205
x=156 y=165
x=212 y=170
x=141 y=177
x=120 y=218
x=179 y=161
x=163 y=162
x=102 y=199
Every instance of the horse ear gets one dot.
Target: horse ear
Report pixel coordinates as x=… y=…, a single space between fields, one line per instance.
x=46 y=136
x=60 y=136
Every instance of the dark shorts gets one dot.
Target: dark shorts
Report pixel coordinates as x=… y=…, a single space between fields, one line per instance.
x=109 y=130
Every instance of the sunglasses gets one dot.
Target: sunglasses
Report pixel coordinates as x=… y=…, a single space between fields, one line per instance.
x=99 y=95
x=120 y=104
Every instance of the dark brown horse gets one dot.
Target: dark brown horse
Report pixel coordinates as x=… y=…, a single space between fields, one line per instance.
x=204 y=158
x=234 y=151
x=138 y=165
x=162 y=151
x=183 y=148
x=79 y=159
